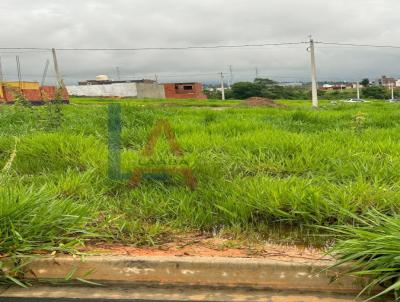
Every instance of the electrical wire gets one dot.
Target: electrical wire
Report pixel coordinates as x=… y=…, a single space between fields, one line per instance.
x=357 y=45
x=40 y=49
x=156 y=48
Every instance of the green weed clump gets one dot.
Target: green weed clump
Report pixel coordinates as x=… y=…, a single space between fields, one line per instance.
x=373 y=251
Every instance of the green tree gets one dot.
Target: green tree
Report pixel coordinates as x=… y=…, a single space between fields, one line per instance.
x=365 y=82
x=244 y=90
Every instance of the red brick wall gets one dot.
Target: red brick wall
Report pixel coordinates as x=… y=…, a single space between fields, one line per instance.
x=32 y=95
x=9 y=93
x=49 y=93
x=172 y=93
x=46 y=93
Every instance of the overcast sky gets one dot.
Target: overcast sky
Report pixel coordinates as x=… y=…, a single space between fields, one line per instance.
x=171 y=23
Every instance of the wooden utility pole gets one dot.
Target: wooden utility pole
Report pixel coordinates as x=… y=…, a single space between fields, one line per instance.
x=60 y=80
x=19 y=72
x=46 y=68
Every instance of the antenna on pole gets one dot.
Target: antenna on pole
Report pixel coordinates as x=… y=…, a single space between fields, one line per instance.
x=314 y=85
x=46 y=68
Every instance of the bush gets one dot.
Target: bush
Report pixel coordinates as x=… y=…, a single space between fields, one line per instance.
x=375 y=92
x=268 y=89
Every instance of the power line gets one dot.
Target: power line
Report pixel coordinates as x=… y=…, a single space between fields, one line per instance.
x=156 y=48
x=43 y=49
x=358 y=45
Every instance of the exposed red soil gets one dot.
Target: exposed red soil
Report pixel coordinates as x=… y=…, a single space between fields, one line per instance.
x=203 y=246
x=261 y=102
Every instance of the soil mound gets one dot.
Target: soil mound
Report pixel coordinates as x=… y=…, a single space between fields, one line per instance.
x=261 y=102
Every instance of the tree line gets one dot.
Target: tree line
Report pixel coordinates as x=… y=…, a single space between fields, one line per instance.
x=272 y=90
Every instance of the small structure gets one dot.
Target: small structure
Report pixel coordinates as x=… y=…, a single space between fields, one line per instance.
x=184 y=91
x=31 y=92
x=104 y=87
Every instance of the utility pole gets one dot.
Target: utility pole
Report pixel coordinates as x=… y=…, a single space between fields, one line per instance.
x=392 y=86
x=358 y=90
x=231 y=73
x=256 y=72
x=19 y=72
x=46 y=68
x=222 y=87
x=118 y=73
x=314 y=85
x=156 y=77
x=60 y=81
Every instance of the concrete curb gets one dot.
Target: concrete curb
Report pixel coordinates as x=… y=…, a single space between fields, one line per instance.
x=195 y=271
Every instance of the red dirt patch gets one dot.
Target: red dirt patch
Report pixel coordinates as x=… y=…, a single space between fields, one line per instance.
x=261 y=102
x=203 y=246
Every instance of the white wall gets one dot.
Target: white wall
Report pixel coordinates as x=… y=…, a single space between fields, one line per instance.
x=118 y=89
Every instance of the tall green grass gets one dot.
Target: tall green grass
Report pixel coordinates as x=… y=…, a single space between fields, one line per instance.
x=262 y=170
x=373 y=251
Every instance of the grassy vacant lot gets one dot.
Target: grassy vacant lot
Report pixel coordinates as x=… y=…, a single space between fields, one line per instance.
x=265 y=171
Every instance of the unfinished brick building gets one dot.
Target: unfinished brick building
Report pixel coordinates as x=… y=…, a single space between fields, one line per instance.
x=184 y=91
x=31 y=92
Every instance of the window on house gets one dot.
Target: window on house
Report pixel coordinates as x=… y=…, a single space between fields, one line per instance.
x=187 y=87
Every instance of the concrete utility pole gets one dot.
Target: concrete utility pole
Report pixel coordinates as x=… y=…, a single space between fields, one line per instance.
x=314 y=85
x=222 y=86
x=256 y=72
x=60 y=80
x=358 y=90
x=156 y=77
x=392 y=86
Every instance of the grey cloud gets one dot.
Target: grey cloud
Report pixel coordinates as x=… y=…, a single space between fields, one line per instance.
x=131 y=23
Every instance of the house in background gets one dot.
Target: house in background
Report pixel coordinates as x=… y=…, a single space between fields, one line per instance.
x=102 y=86
x=184 y=91
x=387 y=82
